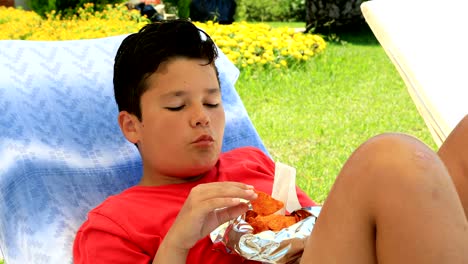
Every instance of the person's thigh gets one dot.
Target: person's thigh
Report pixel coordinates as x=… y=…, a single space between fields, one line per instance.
x=454 y=154
x=393 y=202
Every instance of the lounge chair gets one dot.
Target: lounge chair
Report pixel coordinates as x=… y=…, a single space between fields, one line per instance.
x=427 y=43
x=61 y=150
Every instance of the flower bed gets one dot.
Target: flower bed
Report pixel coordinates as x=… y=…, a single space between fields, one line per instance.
x=86 y=24
x=262 y=45
x=245 y=44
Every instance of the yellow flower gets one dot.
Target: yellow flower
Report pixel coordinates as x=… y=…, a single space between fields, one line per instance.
x=243 y=43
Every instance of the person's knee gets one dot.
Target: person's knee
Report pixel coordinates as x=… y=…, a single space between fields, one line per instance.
x=396 y=143
x=388 y=165
x=396 y=153
x=464 y=120
x=461 y=128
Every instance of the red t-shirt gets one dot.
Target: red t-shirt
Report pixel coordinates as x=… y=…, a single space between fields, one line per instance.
x=130 y=226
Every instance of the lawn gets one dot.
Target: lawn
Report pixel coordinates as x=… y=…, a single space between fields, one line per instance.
x=314 y=116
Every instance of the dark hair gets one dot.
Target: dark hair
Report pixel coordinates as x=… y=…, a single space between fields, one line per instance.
x=140 y=55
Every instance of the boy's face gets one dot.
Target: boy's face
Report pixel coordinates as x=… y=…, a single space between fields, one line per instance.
x=182 y=126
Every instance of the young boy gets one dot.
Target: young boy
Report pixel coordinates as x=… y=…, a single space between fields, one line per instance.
x=168 y=94
x=393 y=202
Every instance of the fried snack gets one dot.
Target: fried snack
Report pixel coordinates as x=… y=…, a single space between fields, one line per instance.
x=250 y=215
x=300 y=214
x=265 y=204
x=262 y=217
x=277 y=222
x=254 y=220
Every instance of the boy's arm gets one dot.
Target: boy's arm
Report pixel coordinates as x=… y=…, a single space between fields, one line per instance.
x=206 y=207
x=170 y=254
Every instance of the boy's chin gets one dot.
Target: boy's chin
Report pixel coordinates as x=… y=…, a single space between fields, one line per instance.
x=198 y=170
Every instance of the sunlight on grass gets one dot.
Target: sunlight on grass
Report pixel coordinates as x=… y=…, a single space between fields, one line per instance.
x=287 y=24
x=313 y=117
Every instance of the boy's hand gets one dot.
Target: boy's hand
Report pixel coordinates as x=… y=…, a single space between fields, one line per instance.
x=207 y=206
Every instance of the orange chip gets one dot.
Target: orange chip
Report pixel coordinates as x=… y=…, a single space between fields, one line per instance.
x=262 y=217
x=277 y=222
x=265 y=204
x=300 y=214
x=250 y=215
x=258 y=225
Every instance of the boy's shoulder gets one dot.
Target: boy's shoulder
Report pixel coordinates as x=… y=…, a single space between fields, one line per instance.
x=112 y=203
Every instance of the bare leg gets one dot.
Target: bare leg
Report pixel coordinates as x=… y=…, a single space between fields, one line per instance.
x=393 y=202
x=454 y=153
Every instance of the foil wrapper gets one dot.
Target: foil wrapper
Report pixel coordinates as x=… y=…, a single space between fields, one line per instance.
x=284 y=246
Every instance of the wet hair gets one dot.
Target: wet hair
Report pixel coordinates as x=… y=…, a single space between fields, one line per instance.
x=140 y=55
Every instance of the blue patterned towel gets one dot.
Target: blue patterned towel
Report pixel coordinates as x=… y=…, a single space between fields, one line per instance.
x=61 y=150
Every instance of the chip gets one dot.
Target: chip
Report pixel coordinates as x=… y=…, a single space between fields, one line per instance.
x=277 y=222
x=265 y=204
x=262 y=217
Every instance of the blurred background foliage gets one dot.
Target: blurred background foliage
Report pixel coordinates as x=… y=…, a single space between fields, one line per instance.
x=244 y=43
x=316 y=15
x=271 y=10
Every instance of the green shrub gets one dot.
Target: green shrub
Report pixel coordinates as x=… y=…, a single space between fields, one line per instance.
x=42 y=6
x=66 y=7
x=182 y=7
x=270 y=10
x=323 y=16
x=297 y=10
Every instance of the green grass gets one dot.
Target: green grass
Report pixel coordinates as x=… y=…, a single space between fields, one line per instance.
x=313 y=117
x=286 y=24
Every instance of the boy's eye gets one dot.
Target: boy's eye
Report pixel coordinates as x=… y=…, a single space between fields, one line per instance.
x=175 y=108
x=212 y=105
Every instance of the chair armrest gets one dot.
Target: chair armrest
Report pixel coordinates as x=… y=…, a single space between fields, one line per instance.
x=424 y=40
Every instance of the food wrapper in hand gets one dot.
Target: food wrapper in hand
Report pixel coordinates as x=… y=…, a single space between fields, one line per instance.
x=285 y=246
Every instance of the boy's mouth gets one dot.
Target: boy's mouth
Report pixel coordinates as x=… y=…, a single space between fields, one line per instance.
x=204 y=138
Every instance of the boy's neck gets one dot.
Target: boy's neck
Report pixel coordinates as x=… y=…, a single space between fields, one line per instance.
x=167 y=180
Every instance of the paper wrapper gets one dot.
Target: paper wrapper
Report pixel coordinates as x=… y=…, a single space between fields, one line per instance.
x=284 y=246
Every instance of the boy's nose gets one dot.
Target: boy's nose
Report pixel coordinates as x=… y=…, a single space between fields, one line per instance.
x=200 y=118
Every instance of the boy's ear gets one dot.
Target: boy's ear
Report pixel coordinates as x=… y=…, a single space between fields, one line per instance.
x=129 y=124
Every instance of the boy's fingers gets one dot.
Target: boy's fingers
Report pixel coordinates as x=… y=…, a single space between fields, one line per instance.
x=204 y=199
x=217 y=204
x=223 y=189
x=223 y=186
x=225 y=214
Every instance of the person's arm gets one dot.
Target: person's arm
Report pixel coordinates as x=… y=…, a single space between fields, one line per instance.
x=207 y=206
x=168 y=253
